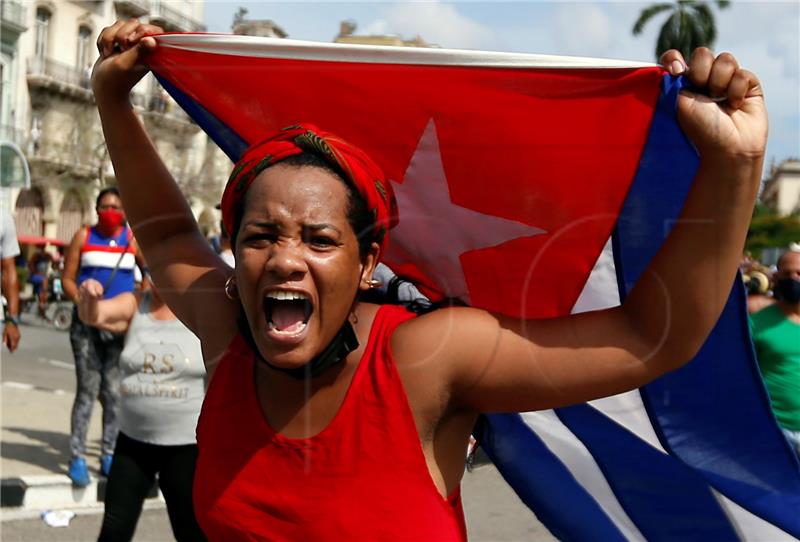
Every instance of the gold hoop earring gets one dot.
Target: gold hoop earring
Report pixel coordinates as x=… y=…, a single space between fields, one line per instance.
x=231 y=292
x=374 y=283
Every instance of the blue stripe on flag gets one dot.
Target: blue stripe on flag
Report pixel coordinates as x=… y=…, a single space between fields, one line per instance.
x=227 y=140
x=542 y=482
x=714 y=413
x=665 y=499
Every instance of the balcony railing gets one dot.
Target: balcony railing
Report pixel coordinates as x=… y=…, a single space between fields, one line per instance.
x=132 y=8
x=173 y=19
x=59 y=71
x=160 y=104
x=13 y=12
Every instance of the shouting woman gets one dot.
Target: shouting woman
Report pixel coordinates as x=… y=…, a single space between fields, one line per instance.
x=329 y=418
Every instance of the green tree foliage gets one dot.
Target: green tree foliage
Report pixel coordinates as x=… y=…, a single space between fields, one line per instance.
x=770 y=230
x=690 y=25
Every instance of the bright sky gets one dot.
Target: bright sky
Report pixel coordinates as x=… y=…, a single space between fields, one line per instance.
x=764 y=35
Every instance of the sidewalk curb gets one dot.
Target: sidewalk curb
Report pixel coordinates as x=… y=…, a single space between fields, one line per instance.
x=20 y=514
x=53 y=491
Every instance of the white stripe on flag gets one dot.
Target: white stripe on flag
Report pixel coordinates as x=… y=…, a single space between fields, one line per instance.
x=339 y=52
x=580 y=463
x=749 y=526
x=628 y=410
x=601 y=290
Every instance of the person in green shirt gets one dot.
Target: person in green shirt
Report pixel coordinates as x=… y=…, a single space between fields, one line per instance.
x=776 y=336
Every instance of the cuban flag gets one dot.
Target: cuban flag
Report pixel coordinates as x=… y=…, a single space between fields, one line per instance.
x=534 y=186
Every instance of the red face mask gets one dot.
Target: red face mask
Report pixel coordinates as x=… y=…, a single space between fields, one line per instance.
x=109 y=220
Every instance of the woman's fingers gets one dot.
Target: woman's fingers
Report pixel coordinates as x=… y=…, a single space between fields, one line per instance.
x=105 y=41
x=724 y=78
x=721 y=74
x=673 y=62
x=145 y=30
x=122 y=39
x=699 y=67
x=744 y=84
x=123 y=35
x=126 y=34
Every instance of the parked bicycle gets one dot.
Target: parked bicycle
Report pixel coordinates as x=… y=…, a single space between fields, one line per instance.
x=57 y=310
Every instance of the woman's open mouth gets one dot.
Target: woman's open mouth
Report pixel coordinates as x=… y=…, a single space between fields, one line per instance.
x=287 y=314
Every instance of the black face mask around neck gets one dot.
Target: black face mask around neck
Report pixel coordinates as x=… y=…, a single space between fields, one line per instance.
x=788 y=290
x=344 y=342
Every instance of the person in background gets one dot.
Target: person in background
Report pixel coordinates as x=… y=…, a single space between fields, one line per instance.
x=107 y=253
x=39 y=266
x=757 y=285
x=161 y=391
x=776 y=336
x=9 y=249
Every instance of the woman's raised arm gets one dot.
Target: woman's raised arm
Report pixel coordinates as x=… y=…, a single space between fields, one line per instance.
x=499 y=364
x=188 y=273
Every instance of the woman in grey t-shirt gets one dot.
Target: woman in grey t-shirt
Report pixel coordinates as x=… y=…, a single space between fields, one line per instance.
x=161 y=390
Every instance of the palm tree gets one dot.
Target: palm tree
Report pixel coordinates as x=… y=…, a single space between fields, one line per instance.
x=690 y=25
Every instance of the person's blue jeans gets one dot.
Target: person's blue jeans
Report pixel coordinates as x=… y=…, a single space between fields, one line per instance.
x=97 y=371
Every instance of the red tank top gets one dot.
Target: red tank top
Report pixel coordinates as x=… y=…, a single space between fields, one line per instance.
x=363 y=477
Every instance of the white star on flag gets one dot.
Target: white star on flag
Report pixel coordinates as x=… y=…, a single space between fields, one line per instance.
x=433 y=232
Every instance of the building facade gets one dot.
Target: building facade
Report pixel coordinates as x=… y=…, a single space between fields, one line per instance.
x=347 y=34
x=53 y=117
x=13 y=23
x=782 y=188
x=48 y=110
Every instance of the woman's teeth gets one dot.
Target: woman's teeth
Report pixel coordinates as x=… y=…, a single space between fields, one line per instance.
x=283 y=295
x=294 y=329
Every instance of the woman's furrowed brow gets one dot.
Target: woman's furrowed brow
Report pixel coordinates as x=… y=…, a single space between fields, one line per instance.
x=269 y=225
x=322 y=226
x=263 y=224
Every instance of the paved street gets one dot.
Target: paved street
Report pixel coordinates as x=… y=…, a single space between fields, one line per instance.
x=37 y=391
x=493 y=514
x=38 y=383
x=153 y=527
x=44 y=358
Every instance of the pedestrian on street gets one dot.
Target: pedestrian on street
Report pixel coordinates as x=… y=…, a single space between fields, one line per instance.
x=328 y=418
x=776 y=336
x=9 y=249
x=39 y=266
x=107 y=253
x=161 y=391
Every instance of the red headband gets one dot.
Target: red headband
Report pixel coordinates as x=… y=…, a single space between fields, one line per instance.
x=358 y=169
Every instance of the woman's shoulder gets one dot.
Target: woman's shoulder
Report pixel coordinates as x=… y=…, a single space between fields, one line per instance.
x=446 y=331
x=462 y=317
